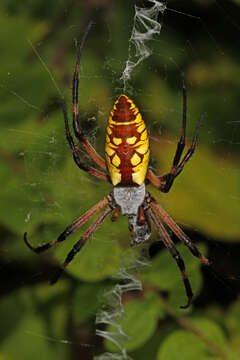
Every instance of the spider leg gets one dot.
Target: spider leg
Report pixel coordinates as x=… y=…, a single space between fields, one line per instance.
x=164 y=182
x=81 y=165
x=80 y=243
x=116 y=213
x=181 y=143
x=141 y=216
x=178 y=231
x=75 y=85
x=175 y=254
x=71 y=228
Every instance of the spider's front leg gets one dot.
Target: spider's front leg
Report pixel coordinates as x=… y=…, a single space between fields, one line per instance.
x=78 y=132
x=164 y=182
x=88 y=148
x=89 y=169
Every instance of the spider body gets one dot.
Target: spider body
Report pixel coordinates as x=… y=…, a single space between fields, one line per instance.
x=127 y=145
x=126 y=168
x=127 y=155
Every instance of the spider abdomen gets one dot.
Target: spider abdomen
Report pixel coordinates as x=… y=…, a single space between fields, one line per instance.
x=127 y=145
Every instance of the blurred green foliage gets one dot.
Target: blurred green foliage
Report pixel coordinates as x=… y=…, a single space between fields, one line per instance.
x=42 y=190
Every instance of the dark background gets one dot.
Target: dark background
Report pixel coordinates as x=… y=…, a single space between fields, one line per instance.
x=42 y=190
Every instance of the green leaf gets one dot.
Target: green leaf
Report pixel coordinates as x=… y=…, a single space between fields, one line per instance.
x=232 y=323
x=163 y=273
x=188 y=343
x=99 y=258
x=138 y=322
x=198 y=199
x=31 y=326
x=86 y=301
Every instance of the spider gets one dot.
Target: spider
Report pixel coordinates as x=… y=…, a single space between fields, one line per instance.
x=126 y=168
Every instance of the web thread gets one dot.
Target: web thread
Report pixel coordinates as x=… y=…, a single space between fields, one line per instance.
x=114 y=310
x=146 y=26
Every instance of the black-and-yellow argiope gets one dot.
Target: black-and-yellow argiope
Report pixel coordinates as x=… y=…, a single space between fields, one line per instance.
x=126 y=167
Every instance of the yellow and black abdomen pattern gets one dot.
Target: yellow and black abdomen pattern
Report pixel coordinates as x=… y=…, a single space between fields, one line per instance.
x=127 y=145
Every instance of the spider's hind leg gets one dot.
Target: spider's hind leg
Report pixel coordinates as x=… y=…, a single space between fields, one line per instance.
x=178 y=231
x=175 y=254
x=74 y=226
x=80 y=243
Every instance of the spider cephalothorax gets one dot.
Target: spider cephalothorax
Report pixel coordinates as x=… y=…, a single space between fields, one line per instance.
x=126 y=167
x=132 y=202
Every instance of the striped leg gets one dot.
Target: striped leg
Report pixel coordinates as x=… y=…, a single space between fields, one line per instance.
x=78 y=246
x=81 y=165
x=78 y=133
x=178 y=231
x=71 y=228
x=164 y=182
x=175 y=254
